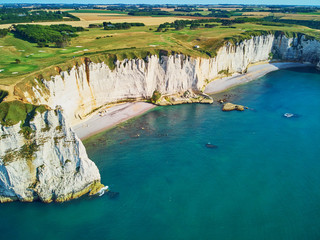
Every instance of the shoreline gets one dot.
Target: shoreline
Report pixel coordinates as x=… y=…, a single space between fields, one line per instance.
x=114 y=115
x=111 y=117
x=254 y=72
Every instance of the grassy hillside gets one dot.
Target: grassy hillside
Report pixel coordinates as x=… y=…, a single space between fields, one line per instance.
x=20 y=59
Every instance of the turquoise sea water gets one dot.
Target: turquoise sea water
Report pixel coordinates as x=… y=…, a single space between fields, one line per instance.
x=262 y=182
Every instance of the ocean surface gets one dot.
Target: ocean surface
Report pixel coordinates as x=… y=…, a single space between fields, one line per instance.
x=262 y=181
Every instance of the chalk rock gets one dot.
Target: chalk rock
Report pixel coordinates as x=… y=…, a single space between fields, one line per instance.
x=52 y=165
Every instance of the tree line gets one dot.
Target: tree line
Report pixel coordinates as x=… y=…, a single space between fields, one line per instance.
x=181 y=24
x=18 y=15
x=271 y=21
x=119 y=26
x=43 y=35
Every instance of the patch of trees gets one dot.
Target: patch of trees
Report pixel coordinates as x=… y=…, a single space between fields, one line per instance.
x=210 y=25
x=18 y=15
x=92 y=25
x=187 y=9
x=119 y=26
x=3 y=32
x=43 y=35
x=292 y=10
x=180 y=24
x=273 y=21
x=148 y=12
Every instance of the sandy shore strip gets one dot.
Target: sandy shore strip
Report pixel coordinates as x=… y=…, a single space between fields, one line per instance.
x=119 y=113
x=254 y=72
x=111 y=117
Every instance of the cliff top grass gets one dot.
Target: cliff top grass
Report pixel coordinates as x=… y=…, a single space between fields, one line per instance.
x=21 y=60
x=13 y=112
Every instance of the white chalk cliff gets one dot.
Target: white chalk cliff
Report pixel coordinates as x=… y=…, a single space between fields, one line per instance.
x=91 y=85
x=51 y=165
x=59 y=170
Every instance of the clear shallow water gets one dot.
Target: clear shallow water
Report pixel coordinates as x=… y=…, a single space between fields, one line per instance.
x=262 y=182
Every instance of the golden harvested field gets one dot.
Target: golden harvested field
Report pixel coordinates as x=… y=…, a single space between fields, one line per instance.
x=264 y=14
x=148 y=21
x=301 y=17
x=112 y=17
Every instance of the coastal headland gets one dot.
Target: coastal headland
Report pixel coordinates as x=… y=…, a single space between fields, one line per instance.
x=44 y=114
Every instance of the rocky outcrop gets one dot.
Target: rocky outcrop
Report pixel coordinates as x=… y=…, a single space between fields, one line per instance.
x=230 y=107
x=186 y=97
x=49 y=164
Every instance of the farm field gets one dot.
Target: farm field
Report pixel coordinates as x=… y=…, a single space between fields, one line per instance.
x=91 y=18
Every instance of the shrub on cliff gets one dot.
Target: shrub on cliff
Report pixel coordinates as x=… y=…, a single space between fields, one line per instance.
x=155 y=96
x=3 y=94
x=3 y=32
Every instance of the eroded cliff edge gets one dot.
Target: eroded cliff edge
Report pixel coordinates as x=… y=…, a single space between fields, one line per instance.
x=59 y=168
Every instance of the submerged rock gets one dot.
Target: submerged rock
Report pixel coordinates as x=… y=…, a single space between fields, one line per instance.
x=209 y=145
x=231 y=107
x=112 y=195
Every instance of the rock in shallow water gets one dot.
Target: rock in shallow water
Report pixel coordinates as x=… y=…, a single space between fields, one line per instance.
x=231 y=107
x=209 y=145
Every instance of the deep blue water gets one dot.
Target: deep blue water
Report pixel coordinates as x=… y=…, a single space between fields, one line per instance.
x=262 y=182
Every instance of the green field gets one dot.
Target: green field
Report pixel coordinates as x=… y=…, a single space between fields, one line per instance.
x=310 y=13
x=133 y=42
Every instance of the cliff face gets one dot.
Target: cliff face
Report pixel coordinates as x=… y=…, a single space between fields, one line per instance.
x=51 y=164
x=297 y=49
x=91 y=85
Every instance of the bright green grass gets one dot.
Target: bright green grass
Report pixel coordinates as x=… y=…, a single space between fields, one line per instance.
x=160 y=43
x=69 y=50
x=12 y=113
x=42 y=55
x=310 y=13
x=21 y=68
